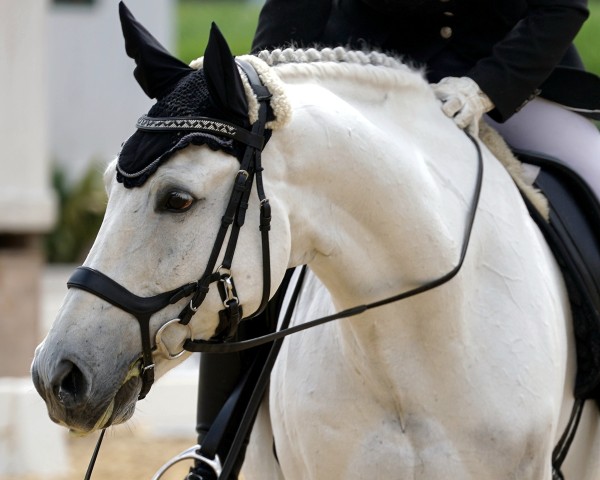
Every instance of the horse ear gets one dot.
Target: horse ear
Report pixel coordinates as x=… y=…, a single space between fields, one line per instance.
x=157 y=71
x=223 y=78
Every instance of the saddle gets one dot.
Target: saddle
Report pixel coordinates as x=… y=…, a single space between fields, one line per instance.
x=572 y=231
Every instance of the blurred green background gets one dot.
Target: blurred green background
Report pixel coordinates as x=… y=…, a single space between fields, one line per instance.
x=588 y=40
x=237 y=20
x=82 y=204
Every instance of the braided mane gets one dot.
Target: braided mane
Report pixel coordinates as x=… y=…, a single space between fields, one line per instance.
x=337 y=64
x=335 y=55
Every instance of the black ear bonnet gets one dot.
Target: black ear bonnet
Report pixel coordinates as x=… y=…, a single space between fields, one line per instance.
x=216 y=91
x=144 y=152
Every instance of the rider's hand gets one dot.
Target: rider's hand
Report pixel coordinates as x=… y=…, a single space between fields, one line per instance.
x=463 y=101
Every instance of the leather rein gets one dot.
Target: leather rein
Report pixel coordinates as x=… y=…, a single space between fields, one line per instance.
x=142 y=308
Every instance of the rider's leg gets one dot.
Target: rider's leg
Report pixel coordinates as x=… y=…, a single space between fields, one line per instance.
x=547 y=127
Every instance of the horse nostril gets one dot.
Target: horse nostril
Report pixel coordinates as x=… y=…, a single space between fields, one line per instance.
x=68 y=384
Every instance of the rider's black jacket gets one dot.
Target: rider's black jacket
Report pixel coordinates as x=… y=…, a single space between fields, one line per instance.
x=509 y=47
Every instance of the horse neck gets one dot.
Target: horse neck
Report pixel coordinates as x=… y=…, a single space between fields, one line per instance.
x=377 y=194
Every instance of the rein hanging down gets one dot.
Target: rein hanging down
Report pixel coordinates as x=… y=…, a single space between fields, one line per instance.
x=229 y=347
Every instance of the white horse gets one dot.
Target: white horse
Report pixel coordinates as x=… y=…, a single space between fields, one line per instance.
x=371 y=186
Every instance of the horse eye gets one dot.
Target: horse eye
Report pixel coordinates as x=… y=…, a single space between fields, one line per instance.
x=178 y=201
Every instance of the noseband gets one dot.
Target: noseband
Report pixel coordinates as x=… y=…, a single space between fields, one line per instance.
x=142 y=308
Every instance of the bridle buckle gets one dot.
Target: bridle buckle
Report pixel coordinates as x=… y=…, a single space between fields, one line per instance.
x=229 y=293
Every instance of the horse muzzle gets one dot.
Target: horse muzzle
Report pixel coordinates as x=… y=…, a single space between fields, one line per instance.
x=67 y=389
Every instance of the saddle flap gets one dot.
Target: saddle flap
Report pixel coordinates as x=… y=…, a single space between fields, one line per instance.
x=573 y=234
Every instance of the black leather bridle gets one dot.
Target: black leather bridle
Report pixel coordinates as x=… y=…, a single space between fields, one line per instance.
x=142 y=308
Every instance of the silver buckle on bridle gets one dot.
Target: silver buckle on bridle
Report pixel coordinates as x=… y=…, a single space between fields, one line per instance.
x=162 y=348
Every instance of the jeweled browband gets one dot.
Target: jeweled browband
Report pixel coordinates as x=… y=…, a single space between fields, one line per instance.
x=200 y=124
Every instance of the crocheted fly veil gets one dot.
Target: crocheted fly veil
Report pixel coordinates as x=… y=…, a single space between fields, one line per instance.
x=215 y=91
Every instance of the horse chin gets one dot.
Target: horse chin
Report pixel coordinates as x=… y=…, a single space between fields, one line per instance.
x=120 y=409
x=125 y=401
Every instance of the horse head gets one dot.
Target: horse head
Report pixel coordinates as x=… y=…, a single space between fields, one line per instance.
x=167 y=193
